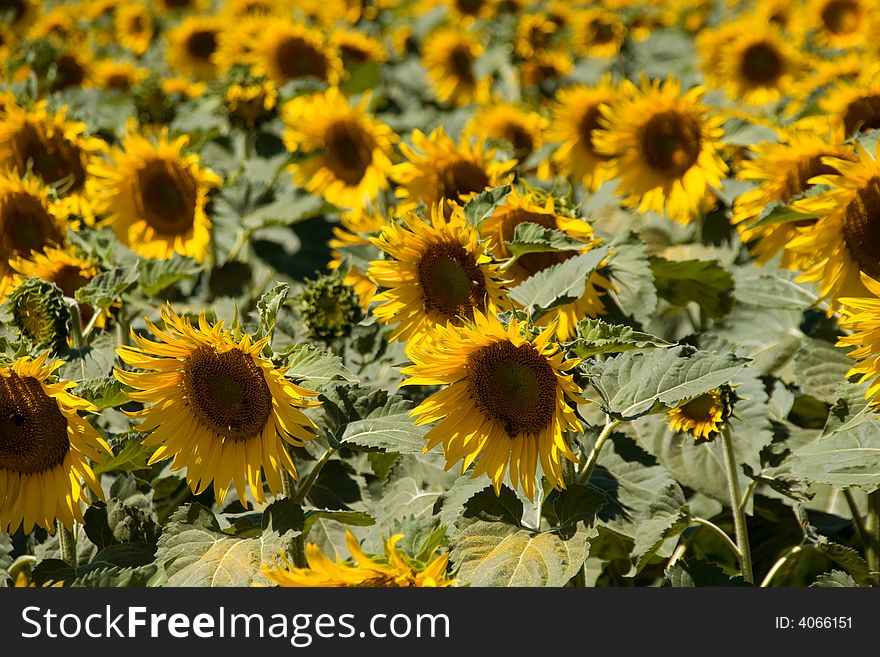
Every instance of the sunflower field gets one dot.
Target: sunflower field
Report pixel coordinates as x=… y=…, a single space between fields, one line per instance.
x=529 y=293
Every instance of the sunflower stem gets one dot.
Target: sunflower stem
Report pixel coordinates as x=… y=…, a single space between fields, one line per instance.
x=298 y=551
x=720 y=533
x=309 y=481
x=736 y=507
x=67 y=543
x=76 y=327
x=779 y=564
x=590 y=464
x=857 y=518
x=872 y=528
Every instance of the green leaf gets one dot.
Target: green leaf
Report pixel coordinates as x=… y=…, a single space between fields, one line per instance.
x=116 y=523
x=5 y=552
x=373 y=419
x=696 y=572
x=351 y=518
x=776 y=289
x=847 y=458
x=107 y=287
x=269 y=304
x=637 y=383
x=484 y=204
x=835 y=579
x=705 y=282
x=451 y=504
x=157 y=275
x=630 y=270
x=739 y=132
x=533 y=238
x=486 y=505
x=498 y=554
x=130 y=454
x=819 y=368
x=598 y=337
x=291 y=207
x=313 y=367
x=577 y=504
x=142 y=576
x=103 y=392
x=92 y=361
x=780 y=213
x=560 y=284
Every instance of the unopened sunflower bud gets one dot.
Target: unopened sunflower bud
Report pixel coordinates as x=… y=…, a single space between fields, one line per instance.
x=329 y=307
x=40 y=312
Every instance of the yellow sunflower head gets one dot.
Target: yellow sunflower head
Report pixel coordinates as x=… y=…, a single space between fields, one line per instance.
x=521 y=128
x=534 y=33
x=357 y=48
x=758 y=65
x=134 y=26
x=288 y=51
x=598 y=33
x=117 y=75
x=508 y=400
x=860 y=316
x=853 y=103
x=251 y=102
x=546 y=69
x=239 y=9
x=784 y=171
x=58 y=25
x=29 y=221
x=45 y=447
x=449 y=56
x=437 y=169
x=844 y=242
x=192 y=45
x=54 y=148
x=665 y=147
x=355 y=230
x=20 y=15
x=532 y=206
x=842 y=23
x=216 y=406
x=393 y=569
x=702 y=417
x=435 y=273
x=169 y=7
x=348 y=152
x=154 y=196
x=575 y=126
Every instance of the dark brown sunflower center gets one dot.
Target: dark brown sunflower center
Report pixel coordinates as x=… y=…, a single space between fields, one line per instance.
x=469 y=7
x=136 y=24
x=514 y=386
x=349 y=150
x=762 y=64
x=25 y=225
x=601 y=32
x=14 y=9
x=536 y=37
x=460 y=178
x=201 y=44
x=119 y=81
x=452 y=283
x=54 y=159
x=178 y=4
x=700 y=409
x=520 y=138
x=842 y=16
x=671 y=143
x=354 y=54
x=33 y=431
x=861 y=227
x=167 y=196
x=588 y=124
x=68 y=73
x=862 y=115
x=69 y=279
x=461 y=62
x=796 y=180
x=297 y=58
x=227 y=392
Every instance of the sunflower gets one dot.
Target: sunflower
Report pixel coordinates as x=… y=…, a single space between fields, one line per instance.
x=58 y=25
x=391 y=569
x=436 y=273
x=134 y=27
x=842 y=23
x=598 y=33
x=449 y=56
x=465 y=12
x=354 y=149
x=290 y=51
x=116 y=75
x=357 y=227
x=783 y=171
x=438 y=169
x=216 y=406
x=508 y=400
x=844 y=242
x=500 y=228
x=522 y=128
x=238 y=9
x=575 y=125
x=237 y=43
x=154 y=196
x=29 y=221
x=168 y=7
x=63 y=267
x=357 y=48
x=702 y=417
x=711 y=46
x=853 y=104
x=861 y=316
x=785 y=14
x=19 y=15
x=757 y=66
x=192 y=44
x=184 y=87
x=545 y=69
x=44 y=447
x=665 y=147
x=533 y=34
x=822 y=73
x=251 y=103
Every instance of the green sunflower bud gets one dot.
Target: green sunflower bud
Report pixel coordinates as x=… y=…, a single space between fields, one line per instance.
x=40 y=312
x=329 y=307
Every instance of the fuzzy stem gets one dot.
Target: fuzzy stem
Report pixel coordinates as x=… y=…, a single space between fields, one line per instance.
x=590 y=464
x=739 y=516
x=67 y=543
x=720 y=533
x=76 y=327
x=872 y=528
